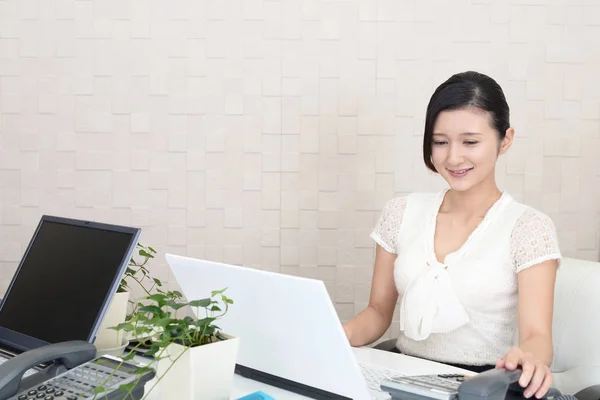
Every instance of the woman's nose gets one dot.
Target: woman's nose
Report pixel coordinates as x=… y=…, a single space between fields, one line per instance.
x=455 y=155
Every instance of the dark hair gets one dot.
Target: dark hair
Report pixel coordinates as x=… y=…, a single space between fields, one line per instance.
x=464 y=90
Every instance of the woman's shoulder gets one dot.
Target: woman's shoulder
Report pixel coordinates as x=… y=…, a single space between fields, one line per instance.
x=534 y=239
x=400 y=202
x=533 y=219
x=397 y=203
x=393 y=216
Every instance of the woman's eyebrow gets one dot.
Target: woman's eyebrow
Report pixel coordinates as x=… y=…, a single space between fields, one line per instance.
x=462 y=134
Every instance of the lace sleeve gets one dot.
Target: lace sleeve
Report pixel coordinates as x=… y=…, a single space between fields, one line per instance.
x=388 y=225
x=533 y=240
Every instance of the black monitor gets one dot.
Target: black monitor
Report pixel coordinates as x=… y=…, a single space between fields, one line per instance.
x=64 y=282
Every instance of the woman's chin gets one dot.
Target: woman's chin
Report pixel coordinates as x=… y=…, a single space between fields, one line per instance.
x=460 y=184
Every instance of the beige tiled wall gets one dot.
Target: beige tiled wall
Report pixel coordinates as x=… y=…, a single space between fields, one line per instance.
x=270 y=133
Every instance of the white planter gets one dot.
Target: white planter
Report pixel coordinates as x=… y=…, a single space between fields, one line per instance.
x=203 y=372
x=116 y=351
x=117 y=311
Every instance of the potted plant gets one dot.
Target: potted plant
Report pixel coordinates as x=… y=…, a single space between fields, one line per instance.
x=192 y=358
x=112 y=341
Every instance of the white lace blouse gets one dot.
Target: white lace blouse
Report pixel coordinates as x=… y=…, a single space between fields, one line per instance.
x=462 y=310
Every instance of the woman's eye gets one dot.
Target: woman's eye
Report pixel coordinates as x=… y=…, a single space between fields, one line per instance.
x=471 y=142
x=439 y=142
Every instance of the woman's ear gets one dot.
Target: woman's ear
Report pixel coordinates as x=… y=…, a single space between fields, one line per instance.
x=507 y=141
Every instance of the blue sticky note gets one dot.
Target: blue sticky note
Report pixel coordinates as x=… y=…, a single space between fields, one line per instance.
x=260 y=395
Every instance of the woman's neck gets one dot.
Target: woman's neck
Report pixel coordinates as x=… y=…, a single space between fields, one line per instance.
x=473 y=202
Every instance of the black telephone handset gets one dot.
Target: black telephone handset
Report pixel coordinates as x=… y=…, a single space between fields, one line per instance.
x=494 y=384
x=81 y=376
x=70 y=354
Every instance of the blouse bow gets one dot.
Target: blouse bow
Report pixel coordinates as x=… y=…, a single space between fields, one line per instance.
x=430 y=305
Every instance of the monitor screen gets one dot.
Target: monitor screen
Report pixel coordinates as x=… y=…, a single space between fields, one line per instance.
x=66 y=279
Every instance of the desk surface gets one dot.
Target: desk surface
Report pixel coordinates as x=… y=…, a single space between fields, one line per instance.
x=399 y=362
x=404 y=364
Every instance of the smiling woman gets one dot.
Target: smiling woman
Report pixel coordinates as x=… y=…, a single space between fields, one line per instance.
x=474 y=269
x=469 y=155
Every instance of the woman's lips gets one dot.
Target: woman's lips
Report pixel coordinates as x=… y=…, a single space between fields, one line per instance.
x=459 y=173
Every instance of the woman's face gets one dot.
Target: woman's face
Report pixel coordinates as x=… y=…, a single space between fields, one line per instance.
x=465 y=147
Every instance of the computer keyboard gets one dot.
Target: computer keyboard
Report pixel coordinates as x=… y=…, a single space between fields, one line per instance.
x=374 y=375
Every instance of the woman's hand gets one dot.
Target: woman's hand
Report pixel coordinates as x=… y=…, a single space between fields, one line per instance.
x=536 y=376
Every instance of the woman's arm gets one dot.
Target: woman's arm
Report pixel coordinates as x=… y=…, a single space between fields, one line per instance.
x=536 y=305
x=371 y=323
x=535 y=352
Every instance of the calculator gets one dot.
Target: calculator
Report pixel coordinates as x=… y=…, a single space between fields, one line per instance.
x=79 y=383
x=440 y=387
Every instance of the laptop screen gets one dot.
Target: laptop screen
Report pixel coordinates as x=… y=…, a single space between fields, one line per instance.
x=66 y=280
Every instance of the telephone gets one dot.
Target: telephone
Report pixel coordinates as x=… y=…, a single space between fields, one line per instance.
x=494 y=384
x=73 y=374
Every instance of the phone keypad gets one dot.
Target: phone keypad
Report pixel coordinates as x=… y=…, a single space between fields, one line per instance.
x=441 y=381
x=77 y=384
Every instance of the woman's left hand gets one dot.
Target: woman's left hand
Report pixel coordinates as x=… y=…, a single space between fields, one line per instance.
x=536 y=377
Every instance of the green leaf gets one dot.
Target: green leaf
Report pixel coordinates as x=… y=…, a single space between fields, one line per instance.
x=141 y=318
x=177 y=294
x=165 y=342
x=153 y=350
x=142 y=370
x=161 y=322
x=126 y=326
x=200 y=303
x=145 y=254
x=215 y=308
x=159 y=298
x=151 y=249
x=157 y=281
x=208 y=330
x=204 y=322
x=141 y=330
x=220 y=336
x=129 y=356
x=188 y=320
x=127 y=387
x=152 y=309
x=216 y=292
x=174 y=305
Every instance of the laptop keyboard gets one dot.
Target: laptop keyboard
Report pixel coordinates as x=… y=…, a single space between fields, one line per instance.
x=374 y=375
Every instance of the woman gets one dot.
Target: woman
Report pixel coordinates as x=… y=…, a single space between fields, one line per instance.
x=475 y=269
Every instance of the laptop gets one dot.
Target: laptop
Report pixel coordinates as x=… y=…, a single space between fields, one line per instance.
x=64 y=283
x=291 y=336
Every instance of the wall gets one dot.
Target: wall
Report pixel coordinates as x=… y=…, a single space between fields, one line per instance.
x=271 y=133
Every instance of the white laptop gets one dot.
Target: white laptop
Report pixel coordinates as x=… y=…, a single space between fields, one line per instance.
x=291 y=336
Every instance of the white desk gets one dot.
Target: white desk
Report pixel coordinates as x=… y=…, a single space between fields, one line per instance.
x=365 y=355
x=399 y=362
